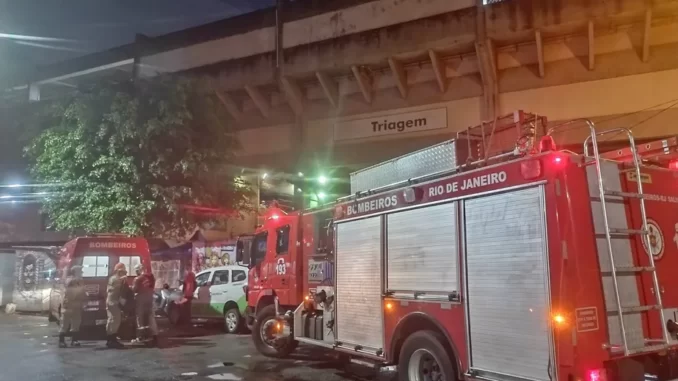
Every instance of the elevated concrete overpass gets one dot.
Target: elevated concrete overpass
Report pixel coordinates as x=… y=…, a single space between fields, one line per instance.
x=329 y=85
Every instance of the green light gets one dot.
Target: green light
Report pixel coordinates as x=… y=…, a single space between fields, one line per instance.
x=322 y=179
x=300 y=174
x=321 y=195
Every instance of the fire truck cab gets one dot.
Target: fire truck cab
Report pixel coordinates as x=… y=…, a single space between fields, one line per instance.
x=493 y=256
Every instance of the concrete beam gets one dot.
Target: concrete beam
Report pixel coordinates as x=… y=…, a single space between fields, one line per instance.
x=488 y=73
x=592 y=48
x=364 y=83
x=439 y=70
x=399 y=75
x=230 y=105
x=540 y=52
x=646 y=35
x=329 y=87
x=293 y=93
x=259 y=100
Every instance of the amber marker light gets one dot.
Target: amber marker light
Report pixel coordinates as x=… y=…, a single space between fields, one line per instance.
x=559 y=319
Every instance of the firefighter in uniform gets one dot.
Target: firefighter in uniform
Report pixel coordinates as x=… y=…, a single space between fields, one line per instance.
x=113 y=302
x=71 y=307
x=144 y=285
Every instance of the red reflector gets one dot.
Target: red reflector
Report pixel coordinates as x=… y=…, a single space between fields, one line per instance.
x=530 y=169
x=673 y=164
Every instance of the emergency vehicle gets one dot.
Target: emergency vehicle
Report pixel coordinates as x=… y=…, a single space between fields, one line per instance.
x=97 y=255
x=493 y=256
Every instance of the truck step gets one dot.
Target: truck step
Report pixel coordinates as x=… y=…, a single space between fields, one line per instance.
x=614 y=193
x=632 y=269
x=620 y=232
x=617 y=231
x=638 y=350
x=636 y=309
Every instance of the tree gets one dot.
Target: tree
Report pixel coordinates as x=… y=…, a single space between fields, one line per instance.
x=131 y=156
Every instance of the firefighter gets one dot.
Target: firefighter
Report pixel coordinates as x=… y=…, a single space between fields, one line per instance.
x=143 y=289
x=71 y=307
x=113 y=301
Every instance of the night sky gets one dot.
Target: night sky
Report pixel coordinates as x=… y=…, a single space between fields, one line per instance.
x=55 y=30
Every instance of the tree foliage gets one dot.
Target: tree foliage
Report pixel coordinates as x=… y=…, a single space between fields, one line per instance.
x=132 y=155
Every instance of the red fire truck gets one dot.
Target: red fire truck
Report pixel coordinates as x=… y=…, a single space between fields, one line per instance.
x=493 y=256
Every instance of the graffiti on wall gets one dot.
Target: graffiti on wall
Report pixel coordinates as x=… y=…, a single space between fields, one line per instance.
x=32 y=280
x=166 y=272
x=213 y=254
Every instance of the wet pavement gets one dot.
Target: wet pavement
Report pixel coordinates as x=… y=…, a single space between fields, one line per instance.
x=28 y=351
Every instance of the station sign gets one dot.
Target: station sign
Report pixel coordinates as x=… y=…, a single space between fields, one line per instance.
x=393 y=124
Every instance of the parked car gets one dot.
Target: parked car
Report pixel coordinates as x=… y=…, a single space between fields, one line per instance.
x=219 y=296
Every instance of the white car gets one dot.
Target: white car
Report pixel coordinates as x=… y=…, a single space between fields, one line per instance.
x=220 y=295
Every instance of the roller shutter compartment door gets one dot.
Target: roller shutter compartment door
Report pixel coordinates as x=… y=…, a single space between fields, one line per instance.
x=508 y=303
x=422 y=250
x=359 y=283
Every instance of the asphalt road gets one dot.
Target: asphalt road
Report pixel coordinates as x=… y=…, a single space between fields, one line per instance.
x=28 y=351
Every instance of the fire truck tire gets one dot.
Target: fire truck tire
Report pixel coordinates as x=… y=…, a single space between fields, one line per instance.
x=422 y=354
x=278 y=349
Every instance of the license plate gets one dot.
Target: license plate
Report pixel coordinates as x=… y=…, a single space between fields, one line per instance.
x=100 y=321
x=93 y=303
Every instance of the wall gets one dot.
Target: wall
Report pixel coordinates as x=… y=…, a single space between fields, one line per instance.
x=31 y=281
x=7 y=269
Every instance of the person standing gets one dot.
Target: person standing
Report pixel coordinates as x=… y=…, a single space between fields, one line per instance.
x=189 y=287
x=113 y=302
x=143 y=289
x=71 y=307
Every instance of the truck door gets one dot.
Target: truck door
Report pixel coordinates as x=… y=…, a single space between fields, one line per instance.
x=219 y=292
x=259 y=264
x=283 y=268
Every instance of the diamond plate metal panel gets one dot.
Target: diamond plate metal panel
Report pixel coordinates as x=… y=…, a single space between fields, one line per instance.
x=437 y=158
x=623 y=256
x=359 y=283
x=423 y=249
x=508 y=303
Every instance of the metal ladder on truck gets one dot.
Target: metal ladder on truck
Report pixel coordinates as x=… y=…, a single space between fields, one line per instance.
x=606 y=194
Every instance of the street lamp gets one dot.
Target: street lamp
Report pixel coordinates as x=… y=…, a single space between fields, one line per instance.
x=322 y=179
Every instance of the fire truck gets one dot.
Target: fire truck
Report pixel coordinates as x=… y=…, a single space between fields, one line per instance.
x=493 y=256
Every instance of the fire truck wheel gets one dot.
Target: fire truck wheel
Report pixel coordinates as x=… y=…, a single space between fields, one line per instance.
x=232 y=320
x=423 y=357
x=262 y=335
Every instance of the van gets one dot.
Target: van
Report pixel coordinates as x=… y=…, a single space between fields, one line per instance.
x=98 y=256
x=219 y=296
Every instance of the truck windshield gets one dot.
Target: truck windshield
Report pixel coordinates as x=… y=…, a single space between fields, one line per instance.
x=101 y=264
